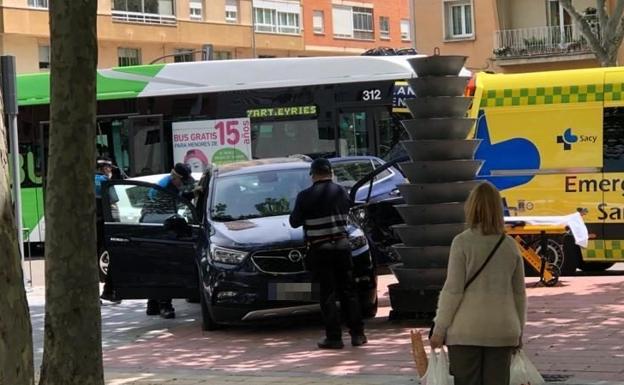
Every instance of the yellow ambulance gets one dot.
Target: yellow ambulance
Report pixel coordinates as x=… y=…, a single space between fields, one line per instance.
x=553 y=143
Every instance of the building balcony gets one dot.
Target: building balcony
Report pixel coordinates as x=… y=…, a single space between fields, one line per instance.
x=540 y=44
x=143 y=18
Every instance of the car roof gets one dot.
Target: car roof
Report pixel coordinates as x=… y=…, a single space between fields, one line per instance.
x=354 y=157
x=155 y=178
x=258 y=165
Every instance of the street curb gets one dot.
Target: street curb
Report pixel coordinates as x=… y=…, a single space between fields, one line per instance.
x=207 y=376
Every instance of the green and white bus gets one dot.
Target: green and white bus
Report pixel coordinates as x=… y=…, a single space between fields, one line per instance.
x=329 y=106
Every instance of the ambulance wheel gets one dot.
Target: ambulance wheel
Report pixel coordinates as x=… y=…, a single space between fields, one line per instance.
x=593 y=267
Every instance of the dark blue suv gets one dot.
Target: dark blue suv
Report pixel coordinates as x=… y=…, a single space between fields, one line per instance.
x=234 y=247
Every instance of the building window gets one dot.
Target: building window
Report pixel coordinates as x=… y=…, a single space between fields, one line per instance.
x=265 y=20
x=144 y=11
x=231 y=11
x=195 y=10
x=38 y=3
x=222 y=55
x=183 y=55
x=384 y=27
x=272 y=20
x=406 y=28
x=128 y=57
x=318 y=22
x=44 y=57
x=363 y=23
x=353 y=22
x=458 y=19
x=288 y=22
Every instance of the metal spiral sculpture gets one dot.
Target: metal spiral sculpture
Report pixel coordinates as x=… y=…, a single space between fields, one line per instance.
x=441 y=174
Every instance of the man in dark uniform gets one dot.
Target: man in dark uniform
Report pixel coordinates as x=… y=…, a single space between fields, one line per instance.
x=322 y=210
x=103 y=173
x=179 y=182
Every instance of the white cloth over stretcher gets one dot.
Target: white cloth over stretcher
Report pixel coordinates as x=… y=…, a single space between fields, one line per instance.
x=573 y=221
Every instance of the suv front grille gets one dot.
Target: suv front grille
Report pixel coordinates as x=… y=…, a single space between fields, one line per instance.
x=279 y=262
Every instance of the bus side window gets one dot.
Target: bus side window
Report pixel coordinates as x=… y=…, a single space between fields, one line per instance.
x=613 y=141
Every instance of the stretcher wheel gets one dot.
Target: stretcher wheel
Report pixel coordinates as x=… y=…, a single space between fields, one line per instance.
x=555 y=272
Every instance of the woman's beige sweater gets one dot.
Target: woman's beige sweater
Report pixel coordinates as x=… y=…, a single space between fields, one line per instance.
x=492 y=311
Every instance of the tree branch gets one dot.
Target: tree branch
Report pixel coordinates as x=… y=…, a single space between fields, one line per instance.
x=615 y=19
x=586 y=30
x=617 y=41
x=603 y=18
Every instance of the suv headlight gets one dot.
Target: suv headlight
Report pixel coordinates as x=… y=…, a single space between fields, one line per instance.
x=357 y=242
x=228 y=256
x=357 y=239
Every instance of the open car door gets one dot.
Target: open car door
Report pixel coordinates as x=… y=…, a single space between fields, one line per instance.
x=152 y=237
x=377 y=216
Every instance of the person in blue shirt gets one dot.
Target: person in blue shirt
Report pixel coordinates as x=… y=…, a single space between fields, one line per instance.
x=180 y=183
x=104 y=172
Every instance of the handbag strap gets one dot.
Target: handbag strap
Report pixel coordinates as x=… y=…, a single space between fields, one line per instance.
x=485 y=263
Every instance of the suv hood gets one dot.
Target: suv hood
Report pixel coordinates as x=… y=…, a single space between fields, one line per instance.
x=257 y=231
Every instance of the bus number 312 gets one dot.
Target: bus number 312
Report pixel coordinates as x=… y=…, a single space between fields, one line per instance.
x=368 y=95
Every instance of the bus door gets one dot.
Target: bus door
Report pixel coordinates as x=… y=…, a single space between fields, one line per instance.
x=146 y=145
x=356 y=134
x=388 y=134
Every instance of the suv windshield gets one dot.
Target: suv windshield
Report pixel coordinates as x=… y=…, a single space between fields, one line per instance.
x=256 y=195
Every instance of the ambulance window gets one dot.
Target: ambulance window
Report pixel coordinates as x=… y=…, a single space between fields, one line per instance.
x=613 y=142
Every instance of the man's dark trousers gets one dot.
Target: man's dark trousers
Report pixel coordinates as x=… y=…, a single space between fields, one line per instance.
x=334 y=271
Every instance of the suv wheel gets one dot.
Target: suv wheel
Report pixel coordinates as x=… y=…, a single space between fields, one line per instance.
x=103 y=261
x=208 y=323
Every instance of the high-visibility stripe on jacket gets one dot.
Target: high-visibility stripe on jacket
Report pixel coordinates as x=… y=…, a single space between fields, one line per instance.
x=322 y=210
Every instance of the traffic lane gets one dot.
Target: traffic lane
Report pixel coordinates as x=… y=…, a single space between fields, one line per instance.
x=616 y=269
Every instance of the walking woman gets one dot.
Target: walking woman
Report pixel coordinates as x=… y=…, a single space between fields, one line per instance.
x=482 y=307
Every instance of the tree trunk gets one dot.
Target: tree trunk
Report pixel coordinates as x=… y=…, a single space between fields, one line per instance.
x=16 y=350
x=72 y=340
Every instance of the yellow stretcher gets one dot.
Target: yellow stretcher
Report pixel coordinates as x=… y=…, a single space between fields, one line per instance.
x=548 y=272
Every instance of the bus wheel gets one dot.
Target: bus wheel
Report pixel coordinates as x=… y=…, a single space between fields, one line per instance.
x=595 y=266
x=103 y=261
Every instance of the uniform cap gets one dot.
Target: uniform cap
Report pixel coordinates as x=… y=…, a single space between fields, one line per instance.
x=182 y=170
x=320 y=166
x=103 y=161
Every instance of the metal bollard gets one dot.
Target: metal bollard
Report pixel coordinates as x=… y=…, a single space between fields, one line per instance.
x=28 y=281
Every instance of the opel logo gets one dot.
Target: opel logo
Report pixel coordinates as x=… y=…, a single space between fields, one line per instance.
x=295 y=256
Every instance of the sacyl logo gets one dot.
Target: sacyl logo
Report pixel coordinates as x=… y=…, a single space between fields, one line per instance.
x=567 y=139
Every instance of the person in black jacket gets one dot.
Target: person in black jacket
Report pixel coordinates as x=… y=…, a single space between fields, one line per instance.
x=322 y=210
x=178 y=183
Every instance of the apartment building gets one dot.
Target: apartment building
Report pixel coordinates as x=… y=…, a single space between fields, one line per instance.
x=505 y=35
x=144 y=31
x=334 y=27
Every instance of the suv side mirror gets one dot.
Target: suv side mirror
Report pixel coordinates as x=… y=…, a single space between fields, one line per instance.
x=177 y=224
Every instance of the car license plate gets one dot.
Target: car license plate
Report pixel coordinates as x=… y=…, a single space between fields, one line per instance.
x=293 y=291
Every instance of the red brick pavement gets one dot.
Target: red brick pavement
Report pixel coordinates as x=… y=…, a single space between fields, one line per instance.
x=573 y=330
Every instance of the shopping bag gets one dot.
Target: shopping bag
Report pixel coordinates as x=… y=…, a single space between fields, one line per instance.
x=523 y=372
x=418 y=352
x=438 y=370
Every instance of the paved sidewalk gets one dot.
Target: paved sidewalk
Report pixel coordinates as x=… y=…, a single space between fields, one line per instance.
x=574 y=336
